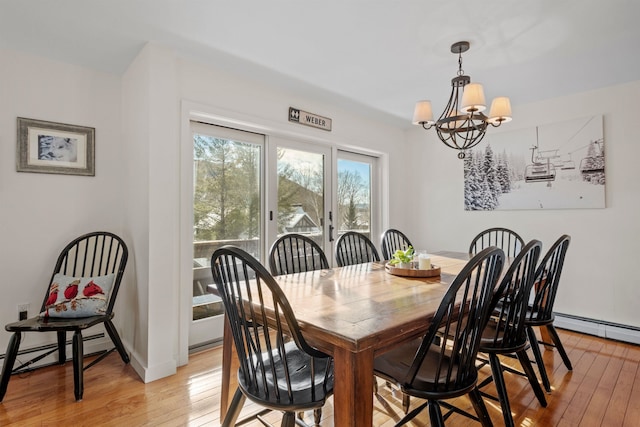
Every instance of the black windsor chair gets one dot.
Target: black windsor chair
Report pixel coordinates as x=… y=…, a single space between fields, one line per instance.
x=391 y=241
x=355 y=248
x=295 y=253
x=442 y=364
x=281 y=374
x=505 y=332
x=507 y=240
x=90 y=265
x=540 y=311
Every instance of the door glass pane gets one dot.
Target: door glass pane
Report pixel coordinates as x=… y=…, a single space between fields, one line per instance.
x=354 y=197
x=226 y=208
x=301 y=193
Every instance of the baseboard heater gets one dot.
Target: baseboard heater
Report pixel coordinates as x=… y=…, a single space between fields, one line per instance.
x=53 y=346
x=599 y=328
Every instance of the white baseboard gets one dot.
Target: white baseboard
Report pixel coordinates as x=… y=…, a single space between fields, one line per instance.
x=148 y=374
x=598 y=328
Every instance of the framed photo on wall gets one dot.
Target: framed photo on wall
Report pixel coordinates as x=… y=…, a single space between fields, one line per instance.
x=49 y=147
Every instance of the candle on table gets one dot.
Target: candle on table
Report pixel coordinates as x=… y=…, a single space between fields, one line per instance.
x=424 y=262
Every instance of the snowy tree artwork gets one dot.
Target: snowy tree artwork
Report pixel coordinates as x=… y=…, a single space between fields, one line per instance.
x=553 y=166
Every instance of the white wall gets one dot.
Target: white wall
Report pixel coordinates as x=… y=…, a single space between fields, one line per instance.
x=41 y=213
x=600 y=279
x=151 y=121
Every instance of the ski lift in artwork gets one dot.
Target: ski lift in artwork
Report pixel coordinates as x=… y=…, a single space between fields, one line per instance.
x=568 y=164
x=565 y=164
x=540 y=172
x=541 y=168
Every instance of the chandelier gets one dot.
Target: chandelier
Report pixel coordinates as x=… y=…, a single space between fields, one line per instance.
x=462 y=124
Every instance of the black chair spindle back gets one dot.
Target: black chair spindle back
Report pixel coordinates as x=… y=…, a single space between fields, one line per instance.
x=355 y=248
x=295 y=253
x=507 y=240
x=391 y=241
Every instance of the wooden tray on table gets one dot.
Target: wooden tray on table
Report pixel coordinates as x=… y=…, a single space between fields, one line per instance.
x=412 y=272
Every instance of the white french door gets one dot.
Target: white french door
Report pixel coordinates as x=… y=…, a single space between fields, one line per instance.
x=248 y=189
x=227 y=210
x=358 y=195
x=300 y=191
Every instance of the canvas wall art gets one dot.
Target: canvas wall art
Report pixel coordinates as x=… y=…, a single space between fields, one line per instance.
x=552 y=166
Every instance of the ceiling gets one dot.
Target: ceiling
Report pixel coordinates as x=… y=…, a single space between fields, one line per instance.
x=375 y=56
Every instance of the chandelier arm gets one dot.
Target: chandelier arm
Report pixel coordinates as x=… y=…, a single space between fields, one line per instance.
x=476 y=142
x=446 y=142
x=475 y=137
x=451 y=105
x=482 y=126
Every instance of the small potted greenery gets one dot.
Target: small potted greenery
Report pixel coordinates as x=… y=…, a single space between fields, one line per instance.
x=402 y=259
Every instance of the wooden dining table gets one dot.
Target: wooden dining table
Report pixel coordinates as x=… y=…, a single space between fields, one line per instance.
x=355 y=313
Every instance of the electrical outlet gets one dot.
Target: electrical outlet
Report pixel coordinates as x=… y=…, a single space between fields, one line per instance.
x=23 y=311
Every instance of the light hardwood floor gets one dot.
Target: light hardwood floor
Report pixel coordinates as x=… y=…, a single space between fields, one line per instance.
x=602 y=390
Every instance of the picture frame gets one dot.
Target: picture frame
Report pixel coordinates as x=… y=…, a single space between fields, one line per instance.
x=57 y=148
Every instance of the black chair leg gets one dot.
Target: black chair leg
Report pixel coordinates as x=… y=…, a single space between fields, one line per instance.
x=414 y=413
x=435 y=414
x=535 y=347
x=115 y=338
x=288 y=419
x=78 y=360
x=480 y=408
x=234 y=409
x=406 y=402
x=498 y=379
x=531 y=376
x=62 y=347
x=9 y=360
x=556 y=341
x=317 y=416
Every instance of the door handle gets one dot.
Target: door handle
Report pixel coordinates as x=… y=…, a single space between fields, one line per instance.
x=331 y=233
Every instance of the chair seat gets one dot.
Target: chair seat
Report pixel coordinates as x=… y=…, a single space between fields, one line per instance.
x=533 y=319
x=44 y=324
x=395 y=364
x=304 y=394
x=493 y=340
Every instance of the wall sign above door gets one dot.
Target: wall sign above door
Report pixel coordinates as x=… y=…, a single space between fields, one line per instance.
x=309 y=119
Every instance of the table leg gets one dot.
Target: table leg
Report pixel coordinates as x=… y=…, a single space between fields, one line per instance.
x=353 y=388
